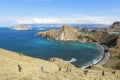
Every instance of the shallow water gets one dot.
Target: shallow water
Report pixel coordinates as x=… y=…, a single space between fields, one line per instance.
x=27 y=43
x=114 y=33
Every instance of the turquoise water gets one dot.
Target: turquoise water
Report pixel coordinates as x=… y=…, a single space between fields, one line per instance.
x=114 y=33
x=27 y=43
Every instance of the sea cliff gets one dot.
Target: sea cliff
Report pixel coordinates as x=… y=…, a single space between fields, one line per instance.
x=67 y=33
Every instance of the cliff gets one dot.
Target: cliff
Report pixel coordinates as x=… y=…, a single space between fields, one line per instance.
x=66 y=33
x=21 y=27
x=103 y=37
x=115 y=27
x=9 y=62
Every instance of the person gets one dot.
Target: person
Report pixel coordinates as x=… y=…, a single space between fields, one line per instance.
x=70 y=70
x=42 y=68
x=59 y=68
x=85 y=72
x=19 y=68
x=113 y=72
x=67 y=69
x=103 y=73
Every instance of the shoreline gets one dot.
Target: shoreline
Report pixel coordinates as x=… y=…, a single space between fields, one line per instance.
x=102 y=60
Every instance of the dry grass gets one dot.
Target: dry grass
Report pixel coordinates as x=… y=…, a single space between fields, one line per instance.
x=31 y=69
x=114 y=52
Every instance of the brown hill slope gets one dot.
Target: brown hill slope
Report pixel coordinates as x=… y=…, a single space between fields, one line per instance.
x=31 y=69
x=115 y=27
x=66 y=33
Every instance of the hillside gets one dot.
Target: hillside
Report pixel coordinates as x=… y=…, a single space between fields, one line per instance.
x=115 y=27
x=66 y=33
x=31 y=69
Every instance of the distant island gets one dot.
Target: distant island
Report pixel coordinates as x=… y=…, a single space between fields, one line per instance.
x=41 y=28
x=21 y=27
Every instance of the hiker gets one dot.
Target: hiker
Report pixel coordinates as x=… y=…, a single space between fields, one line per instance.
x=67 y=69
x=42 y=68
x=19 y=68
x=85 y=72
x=59 y=68
x=113 y=72
x=103 y=73
x=70 y=70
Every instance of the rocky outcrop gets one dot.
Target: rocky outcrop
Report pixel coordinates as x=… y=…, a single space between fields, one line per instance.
x=115 y=27
x=21 y=27
x=81 y=29
x=66 y=33
x=99 y=36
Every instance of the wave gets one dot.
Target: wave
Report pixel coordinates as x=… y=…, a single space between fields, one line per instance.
x=72 y=60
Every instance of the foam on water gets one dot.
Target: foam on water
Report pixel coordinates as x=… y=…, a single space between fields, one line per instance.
x=72 y=60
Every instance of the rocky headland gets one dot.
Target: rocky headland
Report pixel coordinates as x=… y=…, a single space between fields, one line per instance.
x=115 y=27
x=21 y=27
x=67 y=33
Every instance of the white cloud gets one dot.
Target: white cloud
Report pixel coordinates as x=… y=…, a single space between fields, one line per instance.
x=76 y=20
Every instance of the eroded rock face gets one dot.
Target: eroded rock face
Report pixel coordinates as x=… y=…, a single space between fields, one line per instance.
x=103 y=37
x=99 y=36
x=66 y=33
x=115 y=27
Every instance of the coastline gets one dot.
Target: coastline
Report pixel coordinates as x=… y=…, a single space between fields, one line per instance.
x=102 y=60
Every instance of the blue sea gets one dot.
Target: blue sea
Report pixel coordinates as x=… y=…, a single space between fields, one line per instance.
x=27 y=43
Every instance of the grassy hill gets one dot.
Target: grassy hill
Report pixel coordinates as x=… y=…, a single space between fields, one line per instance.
x=9 y=62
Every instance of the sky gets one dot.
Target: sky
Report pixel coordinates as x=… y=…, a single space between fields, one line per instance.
x=59 y=11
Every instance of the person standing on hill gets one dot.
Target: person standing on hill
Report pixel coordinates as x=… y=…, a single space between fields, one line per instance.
x=60 y=69
x=85 y=72
x=103 y=73
x=42 y=68
x=19 y=68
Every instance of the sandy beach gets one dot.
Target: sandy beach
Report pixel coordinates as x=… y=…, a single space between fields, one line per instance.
x=102 y=60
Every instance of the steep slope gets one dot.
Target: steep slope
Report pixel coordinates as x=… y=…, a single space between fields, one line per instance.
x=115 y=27
x=66 y=33
x=103 y=37
x=31 y=69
